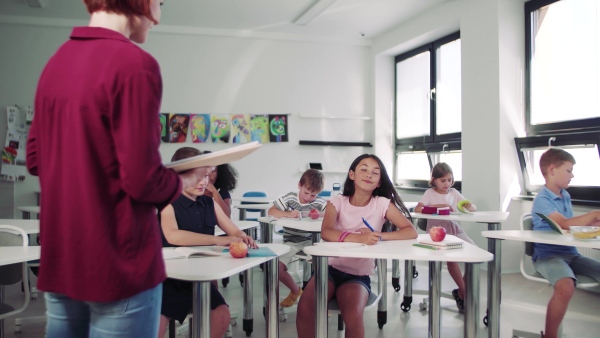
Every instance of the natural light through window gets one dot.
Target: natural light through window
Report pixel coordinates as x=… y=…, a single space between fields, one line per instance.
x=448 y=89
x=413 y=166
x=585 y=170
x=412 y=96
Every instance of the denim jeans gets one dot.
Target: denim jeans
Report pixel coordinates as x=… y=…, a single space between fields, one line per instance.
x=136 y=316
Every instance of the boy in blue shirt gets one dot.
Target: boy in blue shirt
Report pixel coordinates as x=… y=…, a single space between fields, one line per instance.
x=557 y=263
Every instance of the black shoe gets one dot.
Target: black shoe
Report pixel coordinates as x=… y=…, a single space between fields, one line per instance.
x=460 y=303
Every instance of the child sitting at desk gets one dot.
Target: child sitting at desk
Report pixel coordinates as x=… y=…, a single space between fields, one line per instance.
x=358 y=215
x=189 y=221
x=557 y=263
x=441 y=194
x=223 y=179
x=291 y=205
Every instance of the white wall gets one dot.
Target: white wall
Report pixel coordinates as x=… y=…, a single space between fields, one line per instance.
x=224 y=75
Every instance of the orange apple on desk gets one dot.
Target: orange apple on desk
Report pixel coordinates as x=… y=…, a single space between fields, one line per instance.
x=437 y=233
x=238 y=249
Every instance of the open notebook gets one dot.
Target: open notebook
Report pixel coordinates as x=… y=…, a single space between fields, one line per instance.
x=445 y=244
x=552 y=224
x=192 y=251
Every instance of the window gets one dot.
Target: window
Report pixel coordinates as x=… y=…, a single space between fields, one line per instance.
x=562 y=88
x=428 y=111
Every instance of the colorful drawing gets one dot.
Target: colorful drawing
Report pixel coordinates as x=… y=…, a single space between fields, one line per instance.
x=259 y=128
x=240 y=128
x=278 y=128
x=164 y=130
x=219 y=130
x=178 y=127
x=200 y=128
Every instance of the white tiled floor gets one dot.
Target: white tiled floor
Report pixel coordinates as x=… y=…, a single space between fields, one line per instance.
x=523 y=307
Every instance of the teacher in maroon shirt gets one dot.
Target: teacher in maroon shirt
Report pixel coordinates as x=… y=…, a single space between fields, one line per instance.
x=94 y=145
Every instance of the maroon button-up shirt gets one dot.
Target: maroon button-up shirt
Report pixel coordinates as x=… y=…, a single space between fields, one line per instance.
x=94 y=145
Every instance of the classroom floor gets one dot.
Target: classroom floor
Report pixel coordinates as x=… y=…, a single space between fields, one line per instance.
x=523 y=307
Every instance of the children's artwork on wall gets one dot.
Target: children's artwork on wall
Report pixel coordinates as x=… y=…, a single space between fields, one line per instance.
x=240 y=125
x=278 y=128
x=259 y=128
x=200 y=128
x=13 y=153
x=178 y=127
x=220 y=129
x=164 y=127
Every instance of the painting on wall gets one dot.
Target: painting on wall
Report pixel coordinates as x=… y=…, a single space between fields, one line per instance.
x=278 y=127
x=200 y=128
x=13 y=153
x=178 y=127
x=259 y=128
x=220 y=129
x=240 y=125
x=164 y=127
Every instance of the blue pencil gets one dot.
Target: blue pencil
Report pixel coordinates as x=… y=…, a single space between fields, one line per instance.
x=367 y=224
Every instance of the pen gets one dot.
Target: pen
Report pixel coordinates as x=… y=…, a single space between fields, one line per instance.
x=425 y=246
x=299 y=213
x=369 y=226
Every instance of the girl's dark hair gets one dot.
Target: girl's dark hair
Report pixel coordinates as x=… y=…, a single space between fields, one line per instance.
x=386 y=187
x=125 y=7
x=226 y=176
x=440 y=170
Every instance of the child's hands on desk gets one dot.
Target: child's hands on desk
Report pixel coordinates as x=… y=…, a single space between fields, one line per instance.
x=369 y=237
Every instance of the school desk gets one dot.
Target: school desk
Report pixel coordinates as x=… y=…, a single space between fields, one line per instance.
x=471 y=255
x=493 y=220
x=30 y=226
x=545 y=237
x=244 y=207
x=28 y=210
x=254 y=200
x=201 y=271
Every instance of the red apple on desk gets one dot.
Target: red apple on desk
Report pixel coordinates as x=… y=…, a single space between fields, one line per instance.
x=437 y=234
x=238 y=249
x=314 y=214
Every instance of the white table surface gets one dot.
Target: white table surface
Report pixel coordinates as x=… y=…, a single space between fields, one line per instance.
x=538 y=236
x=34 y=209
x=18 y=254
x=31 y=226
x=267 y=200
x=307 y=225
x=217 y=267
x=477 y=216
x=253 y=206
x=242 y=225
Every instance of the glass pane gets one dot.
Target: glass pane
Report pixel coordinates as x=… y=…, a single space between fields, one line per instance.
x=585 y=170
x=564 y=67
x=448 y=89
x=412 y=96
x=412 y=166
x=454 y=160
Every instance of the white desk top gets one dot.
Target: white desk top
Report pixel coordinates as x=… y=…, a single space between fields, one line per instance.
x=545 y=237
x=477 y=216
x=31 y=226
x=34 y=209
x=402 y=249
x=253 y=206
x=307 y=225
x=210 y=268
x=242 y=225
x=410 y=205
x=267 y=200
x=18 y=254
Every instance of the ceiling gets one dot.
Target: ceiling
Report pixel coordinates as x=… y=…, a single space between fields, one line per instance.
x=346 y=19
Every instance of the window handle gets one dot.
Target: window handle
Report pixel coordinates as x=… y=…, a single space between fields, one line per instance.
x=432 y=94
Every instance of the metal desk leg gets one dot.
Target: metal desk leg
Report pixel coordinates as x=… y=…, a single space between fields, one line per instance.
x=272 y=288
x=321 y=271
x=435 y=283
x=396 y=274
x=382 y=306
x=266 y=237
x=201 y=310
x=1 y=320
x=248 y=321
x=493 y=292
x=472 y=300
x=26 y=214
x=316 y=237
x=242 y=214
x=407 y=301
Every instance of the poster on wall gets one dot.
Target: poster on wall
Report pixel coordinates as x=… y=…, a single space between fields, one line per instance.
x=278 y=127
x=259 y=128
x=200 y=128
x=13 y=153
x=178 y=127
x=163 y=118
x=240 y=125
x=220 y=129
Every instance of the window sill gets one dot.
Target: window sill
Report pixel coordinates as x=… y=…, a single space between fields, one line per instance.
x=586 y=203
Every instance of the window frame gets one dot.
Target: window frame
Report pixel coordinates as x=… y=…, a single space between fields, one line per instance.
x=433 y=143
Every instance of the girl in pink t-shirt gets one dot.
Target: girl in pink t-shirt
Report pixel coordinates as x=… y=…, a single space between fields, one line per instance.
x=369 y=194
x=441 y=194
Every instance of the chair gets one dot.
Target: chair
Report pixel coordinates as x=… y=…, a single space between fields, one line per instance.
x=13 y=273
x=333 y=307
x=184 y=328
x=528 y=271
x=325 y=193
x=254 y=194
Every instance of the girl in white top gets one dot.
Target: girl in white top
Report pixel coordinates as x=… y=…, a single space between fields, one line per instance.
x=441 y=194
x=369 y=193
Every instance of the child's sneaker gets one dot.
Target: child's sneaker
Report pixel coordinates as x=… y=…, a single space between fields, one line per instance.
x=460 y=303
x=291 y=299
